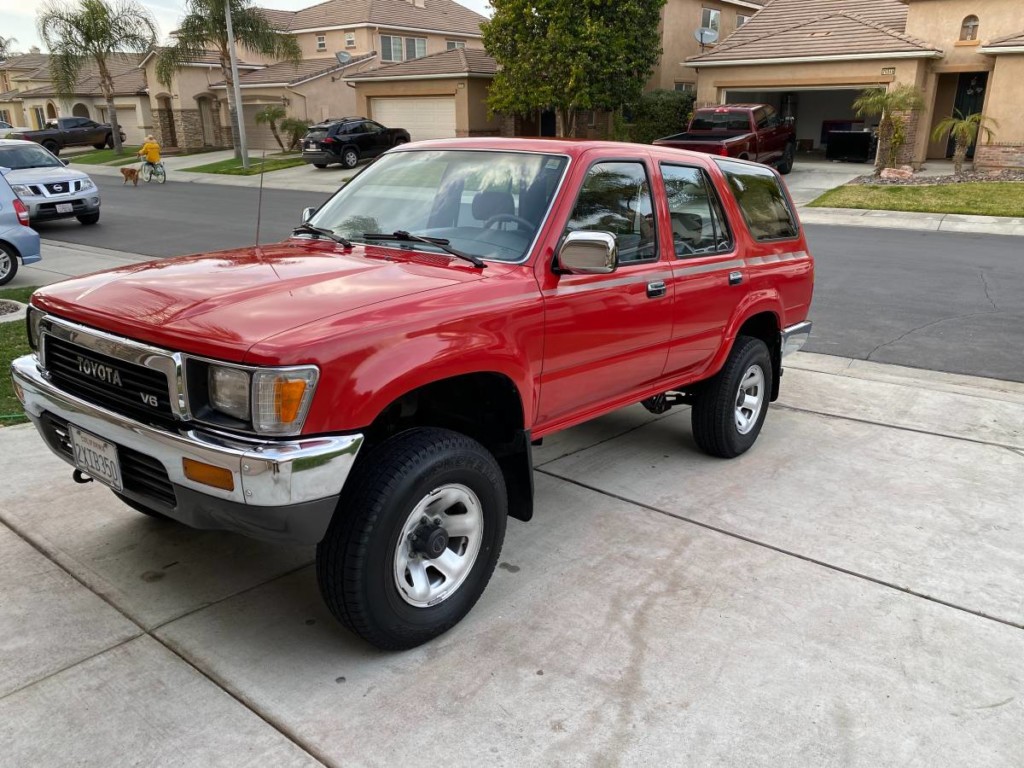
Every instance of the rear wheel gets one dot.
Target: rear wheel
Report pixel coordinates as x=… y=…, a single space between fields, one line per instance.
x=415 y=539
x=52 y=146
x=731 y=407
x=319 y=165
x=8 y=264
x=88 y=219
x=350 y=158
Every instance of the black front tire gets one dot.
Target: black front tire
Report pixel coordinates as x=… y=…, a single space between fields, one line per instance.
x=786 y=164
x=88 y=219
x=100 y=145
x=8 y=264
x=52 y=146
x=320 y=165
x=714 y=414
x=109 y=141
x=356 y=561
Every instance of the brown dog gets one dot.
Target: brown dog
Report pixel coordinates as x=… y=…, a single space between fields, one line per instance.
x=130 y=174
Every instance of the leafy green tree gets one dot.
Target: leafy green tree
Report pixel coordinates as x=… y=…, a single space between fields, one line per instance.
x=570 y=55
x=296 y=129
x=269 y=116
x=658 y=114
x=204 y=28
x=891 y=106
x=92 y=32
x=964 y=131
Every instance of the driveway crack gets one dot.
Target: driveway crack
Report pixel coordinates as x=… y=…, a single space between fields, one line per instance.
x=929 y=324
x=988 y=288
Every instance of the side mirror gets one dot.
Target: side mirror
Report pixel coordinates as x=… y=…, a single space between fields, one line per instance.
x=307 y=214
x=588 y=253
x=66 y=162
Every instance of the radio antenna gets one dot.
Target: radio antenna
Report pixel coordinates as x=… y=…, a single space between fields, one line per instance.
x=259 y=202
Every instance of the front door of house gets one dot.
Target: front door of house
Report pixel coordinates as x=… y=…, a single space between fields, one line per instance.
x=970 y=99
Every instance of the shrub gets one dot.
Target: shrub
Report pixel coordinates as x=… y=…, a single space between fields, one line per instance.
x=658 y=114
x=295 y=129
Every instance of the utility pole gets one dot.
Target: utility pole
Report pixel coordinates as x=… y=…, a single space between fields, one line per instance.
x=239 y=114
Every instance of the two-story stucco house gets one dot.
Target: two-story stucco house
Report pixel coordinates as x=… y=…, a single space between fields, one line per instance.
x=811 y=58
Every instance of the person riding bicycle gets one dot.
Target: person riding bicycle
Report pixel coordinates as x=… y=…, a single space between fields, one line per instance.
x=151 y=150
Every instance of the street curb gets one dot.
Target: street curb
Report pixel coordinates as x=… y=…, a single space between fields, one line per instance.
x=921 y=222
x=250 y=182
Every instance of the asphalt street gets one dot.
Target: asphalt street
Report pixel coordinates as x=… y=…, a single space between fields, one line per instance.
x=932 y=300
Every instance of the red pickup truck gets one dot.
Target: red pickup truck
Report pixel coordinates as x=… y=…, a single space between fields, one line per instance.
x=374 y=384
x=745 y=131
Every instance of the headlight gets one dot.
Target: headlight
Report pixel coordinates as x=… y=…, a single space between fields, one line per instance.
x=21 y=190
x=229 y=391
x=281 y=399
x=32 y=321
x=86 y=185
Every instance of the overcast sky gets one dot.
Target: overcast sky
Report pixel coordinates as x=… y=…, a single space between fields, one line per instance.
x=19 y=16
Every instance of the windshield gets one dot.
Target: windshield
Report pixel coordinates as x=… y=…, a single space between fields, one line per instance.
x=27 y=156
x=484 y=203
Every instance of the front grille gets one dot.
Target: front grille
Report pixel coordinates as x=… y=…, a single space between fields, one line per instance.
x=60 y=187
x=140 y=474
x=142 y=392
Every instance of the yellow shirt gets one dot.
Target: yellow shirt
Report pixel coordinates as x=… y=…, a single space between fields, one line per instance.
x=151 y=150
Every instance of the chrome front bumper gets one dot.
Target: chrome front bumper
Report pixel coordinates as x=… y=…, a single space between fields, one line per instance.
x=282 y=490
x=794 y=337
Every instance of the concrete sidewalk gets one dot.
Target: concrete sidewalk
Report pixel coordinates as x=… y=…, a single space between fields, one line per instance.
x=845 y=594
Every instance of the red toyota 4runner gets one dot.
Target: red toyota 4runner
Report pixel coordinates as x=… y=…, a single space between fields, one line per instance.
x=374 y=383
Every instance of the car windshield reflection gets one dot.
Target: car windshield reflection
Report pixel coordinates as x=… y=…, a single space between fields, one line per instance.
x=484 y=203
x=27 y=156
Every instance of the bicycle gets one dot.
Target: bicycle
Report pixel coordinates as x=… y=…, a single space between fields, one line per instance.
x=151 y=171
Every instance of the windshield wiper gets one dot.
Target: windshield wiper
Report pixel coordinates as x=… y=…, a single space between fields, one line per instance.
x=440 y=242
x=323 y=233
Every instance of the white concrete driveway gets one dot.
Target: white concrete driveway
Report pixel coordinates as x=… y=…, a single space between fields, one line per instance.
x=848 y=593
x=810 y=179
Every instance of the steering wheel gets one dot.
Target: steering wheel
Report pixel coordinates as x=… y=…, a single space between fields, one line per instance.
x=510 y=217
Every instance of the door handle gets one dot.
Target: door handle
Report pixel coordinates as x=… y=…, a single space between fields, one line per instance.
x=656 y=289
x=735 y=278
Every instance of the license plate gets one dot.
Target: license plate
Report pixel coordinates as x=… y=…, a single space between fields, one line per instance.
x=65 y=208
x=96 y=457
x=309 y=145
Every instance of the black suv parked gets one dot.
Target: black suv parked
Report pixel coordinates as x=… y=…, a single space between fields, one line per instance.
x=349 y=140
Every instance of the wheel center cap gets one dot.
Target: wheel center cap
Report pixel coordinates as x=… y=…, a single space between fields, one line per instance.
x=430 y=541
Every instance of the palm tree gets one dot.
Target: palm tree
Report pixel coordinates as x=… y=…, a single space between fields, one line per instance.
x=204 y=28
x=91 y=32
x=890 y=105
x=269 y=116
x=964 y=131
x=6 y=47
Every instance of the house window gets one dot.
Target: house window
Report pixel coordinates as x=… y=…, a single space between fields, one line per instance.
x=5 y=116
x=350 y=39
x=321 y=42
x=451 y=45
x=741 y=20
x=969 y=29
x=40 y=117
x=711 y=19
x=686 y=87
x=394 y=48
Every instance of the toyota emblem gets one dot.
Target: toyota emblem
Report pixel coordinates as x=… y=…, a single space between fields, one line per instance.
x=58 y=188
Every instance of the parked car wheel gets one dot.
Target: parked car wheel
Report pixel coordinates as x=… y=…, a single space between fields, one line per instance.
x=109 y=143
x=52 y=146
x=8 y=264
x=88 y=219
x=786 y=164
x=415 y=539
x=320 y=165
x=730 y=409
x=99 y=146
x=350 y=157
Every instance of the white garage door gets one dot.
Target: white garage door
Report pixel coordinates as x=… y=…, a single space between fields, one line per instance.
x=423 y=117
x=257 y=137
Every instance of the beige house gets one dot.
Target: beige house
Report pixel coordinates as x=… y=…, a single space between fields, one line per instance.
x=29 y=98
x=338 y=38
x=680 y=20
x=811 y=58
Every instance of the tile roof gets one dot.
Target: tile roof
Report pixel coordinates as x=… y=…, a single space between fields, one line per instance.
x=9 y=96
x=1010 y=41
x=461 y=61
x=810 y=28
x=440 y=15
x=292 y=74
x=206 y=57
x=124 y=69
x=26 y=61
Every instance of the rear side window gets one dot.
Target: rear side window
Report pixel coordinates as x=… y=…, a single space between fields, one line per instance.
x=762 y=201
x=698 y=224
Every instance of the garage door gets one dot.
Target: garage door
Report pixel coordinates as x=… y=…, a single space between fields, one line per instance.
x=423 y=117
x=257 y=137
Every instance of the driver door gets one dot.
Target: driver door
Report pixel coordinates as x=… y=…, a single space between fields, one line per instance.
x=607 y=335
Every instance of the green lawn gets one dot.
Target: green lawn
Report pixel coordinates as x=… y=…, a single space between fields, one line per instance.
x=105 y=157
x=233 y=167
x=973 y=198
x=13 y=343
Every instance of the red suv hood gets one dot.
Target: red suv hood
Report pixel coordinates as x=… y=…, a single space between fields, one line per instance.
x=220 y=304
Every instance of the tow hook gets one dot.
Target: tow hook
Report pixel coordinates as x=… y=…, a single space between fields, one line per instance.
x=80 y=477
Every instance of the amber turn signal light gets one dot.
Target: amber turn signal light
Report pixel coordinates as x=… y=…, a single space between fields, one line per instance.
x=207 y=474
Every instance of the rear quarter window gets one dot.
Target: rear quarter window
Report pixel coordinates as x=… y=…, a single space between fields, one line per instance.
x=762 y=201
